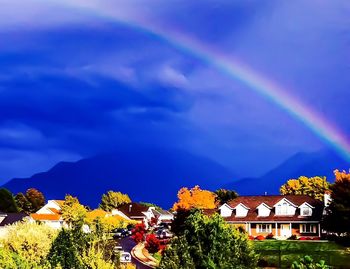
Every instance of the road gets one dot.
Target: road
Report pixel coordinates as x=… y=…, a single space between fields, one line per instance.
x=127 y=244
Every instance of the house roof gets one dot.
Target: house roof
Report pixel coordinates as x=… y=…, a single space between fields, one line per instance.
x=59 y=202
x=43 y=217
x=96 y=213
x=254 y=201
x=133 y=210
x=12 y=218
x=54 y=210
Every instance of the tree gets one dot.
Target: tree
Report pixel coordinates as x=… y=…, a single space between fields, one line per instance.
x=195 y=198
x=337 y=218
x=112 y=200
x=73 y=213
x=64 y=252
x=223 y=196
x=7 y=202
x=313 y=186
x=35 y=198
x=152 y=243
x=209 y=242
x=22 y=203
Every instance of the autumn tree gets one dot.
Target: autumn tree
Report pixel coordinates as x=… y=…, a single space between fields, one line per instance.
x=209 y=242
x=195 y=198
x=73 y=213
x=223 y=196
x=7 y=202
x=112 y=200
x=35 y=198
x=337 y=218
x=311 y=186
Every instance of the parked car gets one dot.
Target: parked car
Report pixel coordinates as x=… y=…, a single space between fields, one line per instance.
x=163 y=234
x=120 y=233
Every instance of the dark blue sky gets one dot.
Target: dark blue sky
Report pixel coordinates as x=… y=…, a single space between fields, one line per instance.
x=74 y=83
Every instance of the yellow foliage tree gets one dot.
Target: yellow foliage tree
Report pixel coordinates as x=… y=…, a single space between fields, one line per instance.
x=112 y=200
x=73 y=213
x=195 y=198
x=311 y=186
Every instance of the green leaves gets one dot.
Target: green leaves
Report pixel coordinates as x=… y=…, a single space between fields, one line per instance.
x=209 y=242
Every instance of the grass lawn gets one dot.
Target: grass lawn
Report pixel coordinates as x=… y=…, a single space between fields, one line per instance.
x=287 y=251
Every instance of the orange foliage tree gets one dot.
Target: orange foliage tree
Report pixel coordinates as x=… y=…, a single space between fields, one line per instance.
x=195 y=198
x=341 y=176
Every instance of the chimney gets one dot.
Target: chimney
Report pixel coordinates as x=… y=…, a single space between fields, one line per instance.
x=130 y=206
x=327 y=198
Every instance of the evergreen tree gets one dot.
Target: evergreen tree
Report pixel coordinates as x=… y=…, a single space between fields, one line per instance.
x=64 y=251
x=7 y=202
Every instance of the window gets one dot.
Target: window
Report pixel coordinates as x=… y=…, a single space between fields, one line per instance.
x=282 y=209
x=307 y=228
x=305 y=211
x=264 y=228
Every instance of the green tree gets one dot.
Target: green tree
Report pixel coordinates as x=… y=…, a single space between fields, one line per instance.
x=22 y=203
x=35 y=198
x=64 y=251
x=73 y=213
x=112 y=200
x=209 y=242
x=337 y=218
x=311 y=186
x=223 y=196
x=7 y=202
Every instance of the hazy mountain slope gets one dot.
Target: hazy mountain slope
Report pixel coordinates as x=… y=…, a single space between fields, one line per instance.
x=301 y=164
x=146 y=175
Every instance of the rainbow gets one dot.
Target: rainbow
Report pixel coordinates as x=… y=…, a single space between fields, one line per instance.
x=233 y=68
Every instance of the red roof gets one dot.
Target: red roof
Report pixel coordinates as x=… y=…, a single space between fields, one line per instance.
x=253 y=202
x=133 y=210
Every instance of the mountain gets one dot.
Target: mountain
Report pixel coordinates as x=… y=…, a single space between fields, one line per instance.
x=152 y=175
x=321 y=163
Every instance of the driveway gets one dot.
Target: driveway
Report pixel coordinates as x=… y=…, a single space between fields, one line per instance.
x=127 y=244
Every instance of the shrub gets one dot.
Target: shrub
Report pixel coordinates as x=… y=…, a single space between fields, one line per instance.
x=260 y=237
x=293 y=237
x=138 y=232
x=308 y=263
x=251 y=237
x=30 y=242
x=270 y=236
x=152 y=243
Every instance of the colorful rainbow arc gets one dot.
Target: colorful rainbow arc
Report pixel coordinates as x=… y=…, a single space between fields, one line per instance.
x=233 y=69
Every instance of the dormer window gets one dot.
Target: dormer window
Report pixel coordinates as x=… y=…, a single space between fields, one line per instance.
x=306 y=210
x=282 y=209
x=285 y=208
x=241 y=210
x=263 y=210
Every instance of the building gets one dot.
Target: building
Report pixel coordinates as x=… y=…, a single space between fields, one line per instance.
x=7 y=219
x=50 y=214
x=282 y=216
x=142 y=213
